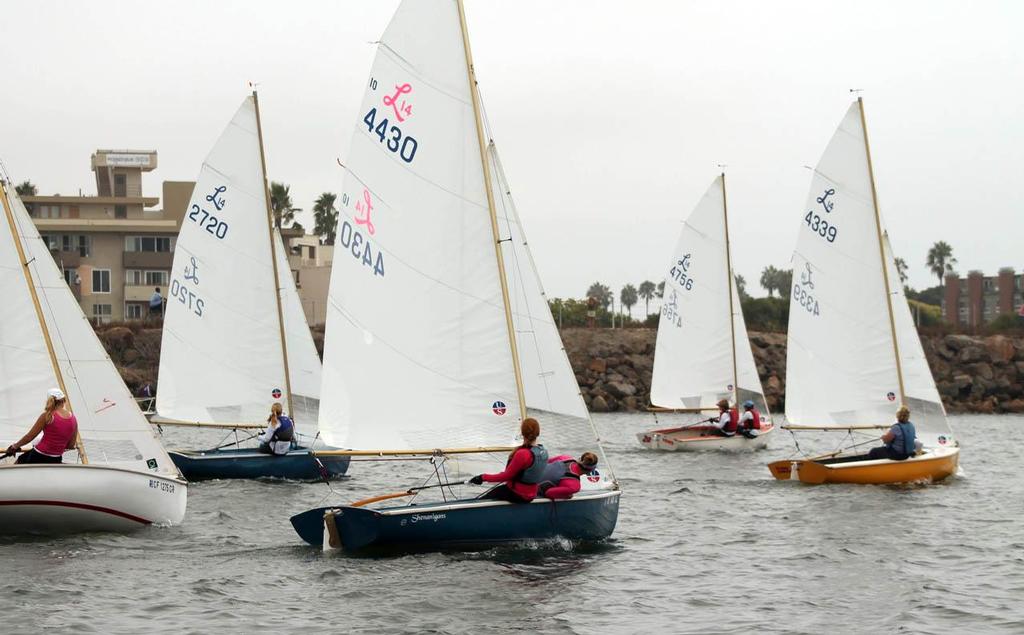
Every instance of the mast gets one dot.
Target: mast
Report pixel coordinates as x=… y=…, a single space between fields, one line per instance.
x=494 y=215
x=881 y=253
x=39 y=312
x=732 y=315
x=273 y=257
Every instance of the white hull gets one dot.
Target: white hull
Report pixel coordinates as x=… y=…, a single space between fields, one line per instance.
x=71 y=498
x=701 y=439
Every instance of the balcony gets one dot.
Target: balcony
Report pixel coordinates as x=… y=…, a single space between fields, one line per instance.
x=140 y=293
x=66 y=259
x=148 y=259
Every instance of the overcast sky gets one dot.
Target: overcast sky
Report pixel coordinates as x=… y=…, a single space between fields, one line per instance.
x=611 y=117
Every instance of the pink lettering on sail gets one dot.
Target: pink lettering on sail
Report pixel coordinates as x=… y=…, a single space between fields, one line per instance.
x=404 y=106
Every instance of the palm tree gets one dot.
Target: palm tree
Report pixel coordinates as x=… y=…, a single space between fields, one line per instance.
x=325 y=215
x=281 y=204
x=770 y=279
x=783 y=281
x=741 y=287
x=628 y=297
x=661 y=289
x=647 y=291
x=601 y=293
x=901 y=268
x=26 y=188
x=940 y=260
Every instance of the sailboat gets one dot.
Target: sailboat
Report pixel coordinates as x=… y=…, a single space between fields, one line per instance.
x=235 y=338
x=702 y=353
x=438 y=333
x=121 y=478
x=853 y=353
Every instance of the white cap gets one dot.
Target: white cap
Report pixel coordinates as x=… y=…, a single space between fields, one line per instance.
x=56 y=393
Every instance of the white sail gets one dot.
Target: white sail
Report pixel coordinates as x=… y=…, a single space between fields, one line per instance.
x=417 y=351
x=921 y=395
x=112 y=428
x=841 y=363
x=221 y=359
x=549 y=382
x=693 y=359
x=303 y=360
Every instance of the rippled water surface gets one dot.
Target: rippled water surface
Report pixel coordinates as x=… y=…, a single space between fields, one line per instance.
x=706 y=543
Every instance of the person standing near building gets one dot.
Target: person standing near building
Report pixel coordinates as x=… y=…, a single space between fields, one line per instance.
x=156 y=303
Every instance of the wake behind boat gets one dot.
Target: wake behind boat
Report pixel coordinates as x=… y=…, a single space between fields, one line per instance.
x=123 y=479
x=853 y=350
x=702 y=354
x=229 y=349
x=463 y=333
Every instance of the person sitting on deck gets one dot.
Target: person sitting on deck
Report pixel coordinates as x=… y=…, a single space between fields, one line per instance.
x=750 y=421
x=60 y=432
x=899 y=439
x=562 y=475
x=280 y=430
x=524 y=470
x=726 y=421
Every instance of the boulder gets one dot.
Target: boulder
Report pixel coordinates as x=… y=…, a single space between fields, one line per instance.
x=957 y=342
x=630 y=404
x=1013 y=405
x=973 y=353
x=981 y=371
x=621 y=389
x=117 y=339
x=598 y=404
x=1000 y=348
x=597 y=365
x=130 y=356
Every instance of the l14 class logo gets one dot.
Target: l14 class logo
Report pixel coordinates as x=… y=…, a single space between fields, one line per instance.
x=276 y=393
x=891 y=396
x=499 y=408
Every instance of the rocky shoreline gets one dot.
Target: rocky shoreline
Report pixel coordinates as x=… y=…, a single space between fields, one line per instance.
x=973 y=373
x=983 y=374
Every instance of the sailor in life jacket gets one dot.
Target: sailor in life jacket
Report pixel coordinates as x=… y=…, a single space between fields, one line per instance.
x=726 y=422
x=280 y=431
x=899 y=439
x=524 y=470
x=562 y=475
x=750 y=420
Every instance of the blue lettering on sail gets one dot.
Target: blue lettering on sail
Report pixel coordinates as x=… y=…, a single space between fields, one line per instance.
x=361 y=248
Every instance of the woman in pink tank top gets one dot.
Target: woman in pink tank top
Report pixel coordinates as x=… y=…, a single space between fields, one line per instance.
x=59 y=428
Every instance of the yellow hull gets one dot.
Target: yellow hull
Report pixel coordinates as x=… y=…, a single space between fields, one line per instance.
x=934 y=465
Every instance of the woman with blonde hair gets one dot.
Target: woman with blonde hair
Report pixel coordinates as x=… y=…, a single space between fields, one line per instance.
x=899 y=439
x=524 y=471
x=280 y=430
x=60 y=432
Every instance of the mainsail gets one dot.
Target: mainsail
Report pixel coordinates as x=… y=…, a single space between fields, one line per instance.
x=842 y=366
x=418 y=352
x=222 y=358
x=112 y=429
x=694 y=353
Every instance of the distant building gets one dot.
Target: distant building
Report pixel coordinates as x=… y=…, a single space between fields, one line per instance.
x=978 y=299
x=115 y=248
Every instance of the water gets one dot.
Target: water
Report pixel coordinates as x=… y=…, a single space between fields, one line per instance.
x=705 y=544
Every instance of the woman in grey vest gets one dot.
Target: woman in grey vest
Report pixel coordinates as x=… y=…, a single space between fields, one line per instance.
x=524 y=470
x=899 y=440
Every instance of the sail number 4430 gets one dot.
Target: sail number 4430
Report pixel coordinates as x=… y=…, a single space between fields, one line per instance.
x=391 y=136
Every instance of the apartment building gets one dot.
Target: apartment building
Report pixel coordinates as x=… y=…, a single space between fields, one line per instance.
x=114 y=247
x=978 y=299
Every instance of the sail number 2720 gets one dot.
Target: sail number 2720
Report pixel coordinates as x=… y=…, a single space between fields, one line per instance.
x=391 y=136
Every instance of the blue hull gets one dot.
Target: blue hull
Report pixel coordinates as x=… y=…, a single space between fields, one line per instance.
x=297 y=465
x=463 y=524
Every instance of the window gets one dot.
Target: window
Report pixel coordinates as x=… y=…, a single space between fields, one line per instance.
x=120 y=211
x=50 y=241
x=65 y=242
x=133 y=311
x=120 y=188
x=101 y=313
x=140 y=278
x=157 y=278
x=101 y=282
x=147 y=243
x=71 y=276
x=50 y=211
x=84 y=245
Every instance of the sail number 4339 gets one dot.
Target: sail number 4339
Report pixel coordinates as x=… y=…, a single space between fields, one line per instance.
x=821 y=227
x=391 y=136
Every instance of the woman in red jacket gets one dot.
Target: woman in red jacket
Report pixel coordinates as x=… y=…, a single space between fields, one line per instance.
x=524 y=470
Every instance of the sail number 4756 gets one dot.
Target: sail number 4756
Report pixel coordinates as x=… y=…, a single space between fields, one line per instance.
x=391 y=136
